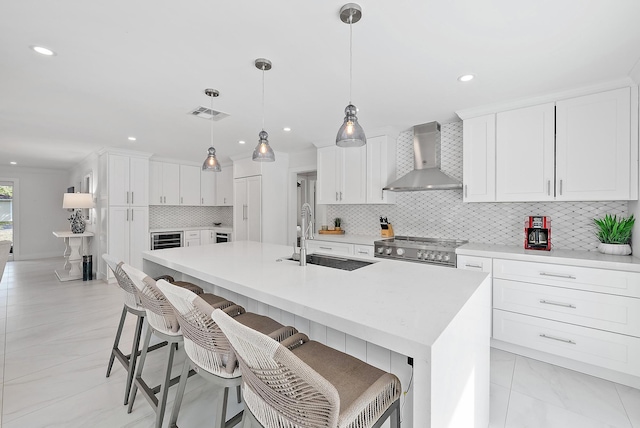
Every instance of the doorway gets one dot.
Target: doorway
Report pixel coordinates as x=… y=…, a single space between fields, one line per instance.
x=6 y=213
x=306 y=193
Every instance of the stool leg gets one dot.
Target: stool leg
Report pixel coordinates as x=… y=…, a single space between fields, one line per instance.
x=143 y=356
x=164 y=389
x=181 y=387
x=117 y=341
x=221 y=411
x=133 y=358
x=395 y=416
x=239 y=394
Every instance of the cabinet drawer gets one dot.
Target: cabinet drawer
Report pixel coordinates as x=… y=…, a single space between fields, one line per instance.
x=481 y=264
x=601 y=348
x=602 y=311
x=580 y=278
x=192 y=234
x=329 y=247
x=363 y=250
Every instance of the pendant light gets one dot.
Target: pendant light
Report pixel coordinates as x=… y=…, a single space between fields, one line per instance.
x=263 y=151
x=211 y=162
x=350 y=133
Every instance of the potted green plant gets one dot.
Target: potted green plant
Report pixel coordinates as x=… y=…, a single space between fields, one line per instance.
x=614 y=234
x=337 y=222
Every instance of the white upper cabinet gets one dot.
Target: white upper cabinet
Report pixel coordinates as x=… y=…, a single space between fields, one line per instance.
x=380 y=170
x=342 y=175
x=525 y=154
x=164 y=185
x=224 y=186
x=479 y=159
x=208 y=181
x=128 y=180
x=189 y=185
x=583 y=148
x=593 y=147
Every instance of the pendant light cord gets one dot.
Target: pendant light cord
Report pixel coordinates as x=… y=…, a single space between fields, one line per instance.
x=350 y=54
x=263 y=96
x=211 y=96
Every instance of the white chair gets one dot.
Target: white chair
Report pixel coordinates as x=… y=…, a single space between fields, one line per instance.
x=303 y=383
x=5 y=249
x=160 y=321
x=208 y=351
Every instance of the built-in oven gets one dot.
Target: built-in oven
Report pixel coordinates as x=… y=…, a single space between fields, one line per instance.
x=223 y=237
x=161 y=240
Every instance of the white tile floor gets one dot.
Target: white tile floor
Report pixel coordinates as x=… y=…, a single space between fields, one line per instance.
x=55 y=340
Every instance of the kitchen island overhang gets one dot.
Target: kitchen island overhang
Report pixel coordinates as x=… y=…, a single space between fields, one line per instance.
x=438 y=316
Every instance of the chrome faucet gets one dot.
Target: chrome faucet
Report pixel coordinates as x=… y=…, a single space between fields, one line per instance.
x=307 y=231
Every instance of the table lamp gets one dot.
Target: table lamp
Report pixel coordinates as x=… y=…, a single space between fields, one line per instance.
x=77 y=202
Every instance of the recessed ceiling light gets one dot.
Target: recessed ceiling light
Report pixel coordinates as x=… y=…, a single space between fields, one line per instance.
x=43 y=51
x=286 y=129
x=241 y=142
x=13 y=163
x=132 y=138
x=466 y=77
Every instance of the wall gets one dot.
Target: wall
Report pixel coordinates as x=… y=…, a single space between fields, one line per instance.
x=441 y=214
x=161 y=217
x=39 y=211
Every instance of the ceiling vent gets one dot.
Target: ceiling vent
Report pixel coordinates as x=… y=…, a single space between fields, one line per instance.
x=207 y=113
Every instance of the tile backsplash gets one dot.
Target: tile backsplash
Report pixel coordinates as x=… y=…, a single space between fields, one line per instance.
x=185 y=216
x=441 y=214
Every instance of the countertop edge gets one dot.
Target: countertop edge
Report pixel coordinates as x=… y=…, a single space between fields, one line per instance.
x=590 y=259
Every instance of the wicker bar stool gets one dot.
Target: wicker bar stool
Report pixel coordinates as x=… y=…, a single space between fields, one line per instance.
x=160 y=321
x=303 y=383
x=131 y=306
x=208 y=350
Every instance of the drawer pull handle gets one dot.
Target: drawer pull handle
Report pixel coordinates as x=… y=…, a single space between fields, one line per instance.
x=558 y=339
x=362 y=252
x=550 y=302
x=326 y=248
x=469 y=265
x=558 y=275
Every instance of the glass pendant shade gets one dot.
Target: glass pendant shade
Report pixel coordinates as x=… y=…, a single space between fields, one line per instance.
x=263 y=151
x=351 y=133
x=211 y=162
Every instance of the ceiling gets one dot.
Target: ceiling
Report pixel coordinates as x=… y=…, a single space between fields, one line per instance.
x=136 y=68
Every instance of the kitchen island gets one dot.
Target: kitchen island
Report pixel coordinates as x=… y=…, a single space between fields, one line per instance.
x=386 y=313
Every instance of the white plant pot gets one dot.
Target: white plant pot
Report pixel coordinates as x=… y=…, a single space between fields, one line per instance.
x=615 y=249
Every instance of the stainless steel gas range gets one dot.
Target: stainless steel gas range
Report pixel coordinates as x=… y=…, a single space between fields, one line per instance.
x=421 y=250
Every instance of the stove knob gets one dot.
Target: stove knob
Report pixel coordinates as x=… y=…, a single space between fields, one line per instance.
x=400 y=251
x=439 y=257
x=380 y=250
x=419 y=254
x=388 y=251
x=432 y=256
x=446 y=258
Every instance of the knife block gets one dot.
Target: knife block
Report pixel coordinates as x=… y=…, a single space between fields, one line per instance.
x=387 y=233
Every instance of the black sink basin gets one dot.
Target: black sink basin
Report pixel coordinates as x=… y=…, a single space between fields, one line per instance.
x=336 y=262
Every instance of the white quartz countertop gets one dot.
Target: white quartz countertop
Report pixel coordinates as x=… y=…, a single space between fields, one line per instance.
x=562 y=257
x=347 y=238
x=225 y=229
x=398 y=305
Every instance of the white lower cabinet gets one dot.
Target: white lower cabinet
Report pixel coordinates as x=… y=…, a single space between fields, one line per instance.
x=128 y=234
x=191 y=238
x=247 y=211
x=207 y=237
x=480 y=264
x=363 y=250
x=329 y=247
x=613 y=351
x=585 y=314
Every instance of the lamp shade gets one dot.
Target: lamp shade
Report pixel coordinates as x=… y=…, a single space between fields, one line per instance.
x=77 y=200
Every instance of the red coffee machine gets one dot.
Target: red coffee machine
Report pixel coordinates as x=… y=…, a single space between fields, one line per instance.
x=537 y=233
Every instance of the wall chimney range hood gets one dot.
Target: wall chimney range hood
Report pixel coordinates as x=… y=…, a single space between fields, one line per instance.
x=426 y=174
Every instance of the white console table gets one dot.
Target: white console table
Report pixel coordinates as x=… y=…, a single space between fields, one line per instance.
x=74 y=244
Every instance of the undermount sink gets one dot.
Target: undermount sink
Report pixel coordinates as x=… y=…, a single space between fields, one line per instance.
x=336 y=262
